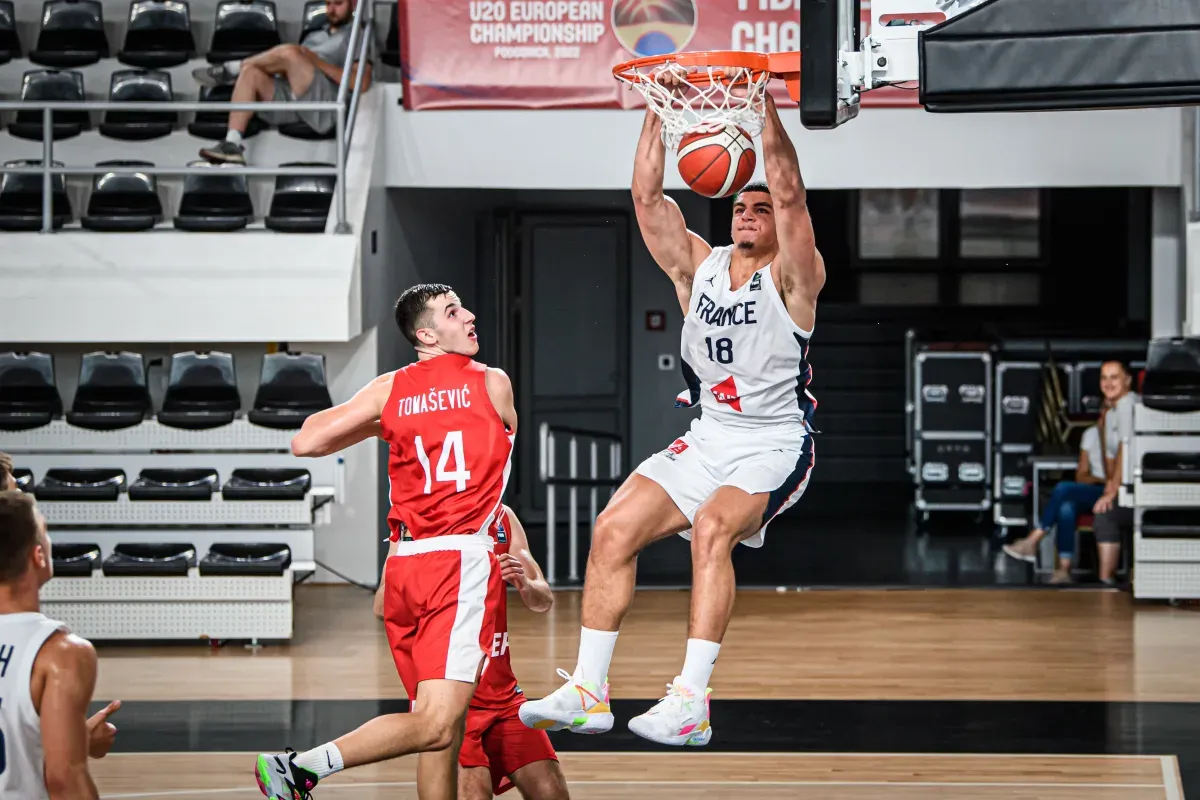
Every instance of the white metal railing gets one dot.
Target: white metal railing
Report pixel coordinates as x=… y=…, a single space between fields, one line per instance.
x=548 y=439
x=364 y=22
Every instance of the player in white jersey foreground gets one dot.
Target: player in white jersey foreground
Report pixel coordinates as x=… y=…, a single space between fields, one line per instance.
x=749 y=312
x=47 y=674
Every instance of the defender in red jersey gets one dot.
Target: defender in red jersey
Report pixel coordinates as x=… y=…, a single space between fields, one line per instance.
x=449 y=424
x=498 y=750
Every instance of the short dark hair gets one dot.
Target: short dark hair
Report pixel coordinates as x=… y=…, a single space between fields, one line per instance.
x=18 y=533
x=6 y=467
x=412 y=308
x=753 y=186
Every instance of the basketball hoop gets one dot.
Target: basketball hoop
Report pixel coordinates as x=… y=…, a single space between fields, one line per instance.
x=714 y=88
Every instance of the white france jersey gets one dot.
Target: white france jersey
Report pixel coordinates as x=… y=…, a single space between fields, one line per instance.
x=22 y=769
x=744 y=359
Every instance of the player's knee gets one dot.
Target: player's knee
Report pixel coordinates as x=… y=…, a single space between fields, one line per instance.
x=550 y=786
x=612 y=541
x=439 y=727
x=713 y=533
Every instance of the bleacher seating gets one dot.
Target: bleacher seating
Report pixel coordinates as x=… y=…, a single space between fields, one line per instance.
x=160 y=559
x=267 y=484
x=300 y=203
x=123 y=201
x=139 y=86
x=10 y=43
x=112 y=392
x=159 y=34
x=243 y=28
x=202 y=391
x=314 y=18
x=21 y=199
x=92 y=484
x=75 y=560
x=291 y=388
x=174 y=484
x=219 y=201
x=51 y=85
x=246 y=558
x=214 y=124
x=72 y=34
x=28 y=395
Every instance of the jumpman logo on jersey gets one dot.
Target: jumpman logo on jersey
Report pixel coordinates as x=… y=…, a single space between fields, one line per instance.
x=726 y=393
x=710 y=280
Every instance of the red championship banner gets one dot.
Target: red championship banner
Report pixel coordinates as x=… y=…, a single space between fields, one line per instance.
x=560 y=53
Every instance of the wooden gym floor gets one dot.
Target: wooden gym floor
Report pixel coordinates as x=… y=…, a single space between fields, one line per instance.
x=831 y=694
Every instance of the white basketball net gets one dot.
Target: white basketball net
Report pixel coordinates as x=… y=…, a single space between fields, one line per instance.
x=734 y=95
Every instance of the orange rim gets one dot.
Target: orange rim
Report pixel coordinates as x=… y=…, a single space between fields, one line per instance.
x=718 y=61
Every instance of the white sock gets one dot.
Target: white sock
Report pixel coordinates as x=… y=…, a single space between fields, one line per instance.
x=233 y=136
x=595 y=654
x=698 y=664
x=234 y=67
x=321 y=761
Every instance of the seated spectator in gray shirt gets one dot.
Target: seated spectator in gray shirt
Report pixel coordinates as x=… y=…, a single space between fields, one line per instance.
x=308 y=72
x=1116 y=428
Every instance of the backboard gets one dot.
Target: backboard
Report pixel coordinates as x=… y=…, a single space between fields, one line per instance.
x=827 y=28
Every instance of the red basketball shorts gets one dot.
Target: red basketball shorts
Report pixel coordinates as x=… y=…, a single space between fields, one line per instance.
x=439 y=607
x=498 y=740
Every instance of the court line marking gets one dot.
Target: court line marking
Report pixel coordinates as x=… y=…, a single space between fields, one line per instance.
x=1172 y=780
x=722 y=753
x=918 y=784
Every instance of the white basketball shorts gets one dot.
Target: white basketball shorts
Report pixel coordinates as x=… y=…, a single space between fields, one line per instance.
x=710 y=456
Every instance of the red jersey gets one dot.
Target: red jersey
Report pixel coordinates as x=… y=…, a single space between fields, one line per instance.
x=497 y=687
x=450 y=451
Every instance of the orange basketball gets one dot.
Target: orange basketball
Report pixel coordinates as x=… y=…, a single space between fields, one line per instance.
x=716 y=160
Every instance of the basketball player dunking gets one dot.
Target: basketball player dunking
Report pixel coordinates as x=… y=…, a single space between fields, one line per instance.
x=749 y=313
x=449 y=423
x=498 y=752
x=47 y=674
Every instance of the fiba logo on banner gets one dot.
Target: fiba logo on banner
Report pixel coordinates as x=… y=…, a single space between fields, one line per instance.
x=654 y=27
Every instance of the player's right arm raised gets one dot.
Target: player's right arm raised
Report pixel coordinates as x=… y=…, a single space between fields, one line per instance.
x=676 y=249
x=68 y=664
x=345 y=424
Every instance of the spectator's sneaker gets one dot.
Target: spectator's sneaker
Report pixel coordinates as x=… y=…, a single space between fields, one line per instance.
x=225 y=152
x=1022 y=550
x=578 y=706
x=280 y=779
x=680 y=718
x=215 y=75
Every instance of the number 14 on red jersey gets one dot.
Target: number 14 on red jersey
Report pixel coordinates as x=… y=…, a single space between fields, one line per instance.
x=452 y=448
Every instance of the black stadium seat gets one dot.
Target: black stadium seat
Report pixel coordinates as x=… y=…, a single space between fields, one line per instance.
x=246 y=558
x=390 y=54
x=215 y=124
x=313 y=19
x=72 y=34
x=202 y=391
x=50 y=85
x=123 y=201
x=159 y=34
x=242 y=29
x=80 y=485
x=267 y=484
x=157 y=559
x=28 y=395
x=139 y=86
x=75 y=560
x=112 y=392
x=291 y=388
x=10 y=43
x=301 y=202
x=24 y=479
x=174 y=484
x=216 y=202
x=21 y=199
